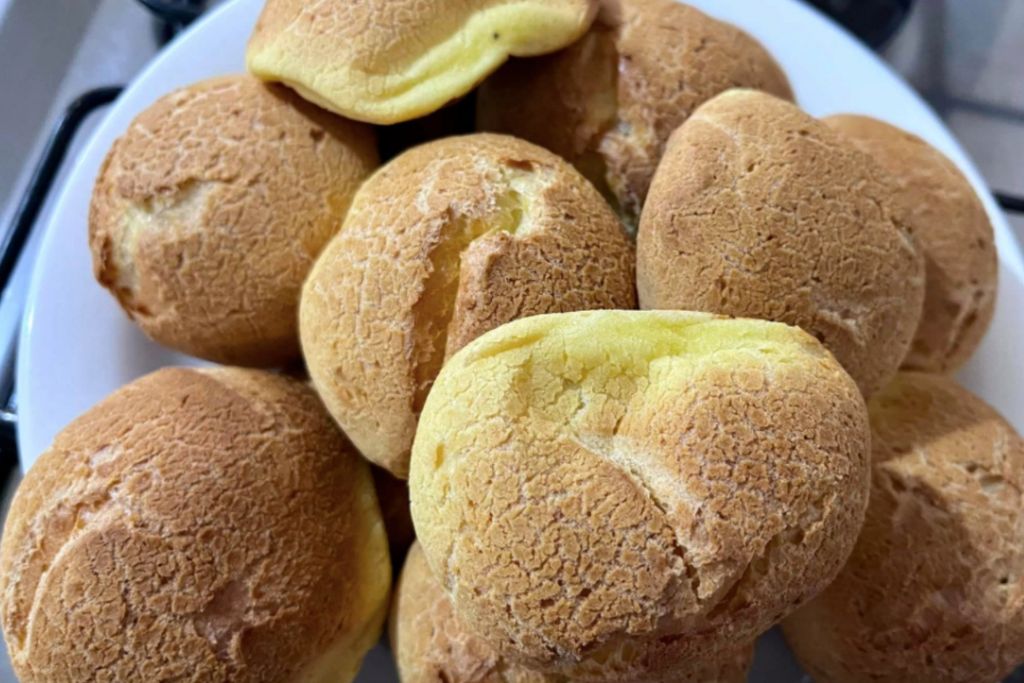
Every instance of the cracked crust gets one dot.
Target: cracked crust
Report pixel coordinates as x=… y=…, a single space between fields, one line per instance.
x=432 y=646
x=197 y=524
x=609 y=102
x=759 y=210
x=210 y=210
x=387 y=61
x=445 y=242
x=637 y=486
x=934 y=589
x=954 y=233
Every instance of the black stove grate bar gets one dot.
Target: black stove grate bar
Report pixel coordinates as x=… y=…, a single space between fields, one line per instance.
x=1010 y=202
x=17 y=235
x=45 y=173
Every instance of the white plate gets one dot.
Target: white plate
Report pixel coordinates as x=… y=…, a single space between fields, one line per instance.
x=77 y=346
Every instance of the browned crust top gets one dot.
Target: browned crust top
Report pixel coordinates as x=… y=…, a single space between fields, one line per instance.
x=209 y=211
x=954 y=233
x=208 y=525
x=447 y=241
x=934 y=590
x=759 y=210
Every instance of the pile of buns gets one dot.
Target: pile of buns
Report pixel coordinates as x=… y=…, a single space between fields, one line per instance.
x=663 y=359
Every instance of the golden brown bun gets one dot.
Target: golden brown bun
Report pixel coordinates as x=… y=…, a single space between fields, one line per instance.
x=445 y=242
x=759 y=210
x=393 y=495
x=203 y=525
x=954 y=233
x=934 y=590
x=387 y=61
x=609 y=102
x=210 y=210
x=431 y=645
x=637 y=485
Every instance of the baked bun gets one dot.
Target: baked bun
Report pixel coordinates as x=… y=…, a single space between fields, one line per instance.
x=387 y=61
x=637 y=484
x=934 y=590
x=954 y=233
x=204 y=525
x=210 y=210
x=445 y=242
x=759 y=210
x=431 y=645
x=609 y=102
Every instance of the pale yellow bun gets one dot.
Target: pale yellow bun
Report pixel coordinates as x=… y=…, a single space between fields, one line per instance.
x=431 y=645
x=954 y=233
x=387 y=61
x=447 y=241
x=934 y=590
x=759 y=210
x=609 y=102
x=623 y=485
x=210 y=210
x=203 y=525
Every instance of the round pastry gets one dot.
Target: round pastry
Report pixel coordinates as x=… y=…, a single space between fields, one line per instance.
x=447 y=241
x=609 y=102
x=210 y=210
x=952 y=230
x=934 y=589
x=204 y=525
x=387 y=61
x=759 y=210
x=633 y=484
x=431 y=645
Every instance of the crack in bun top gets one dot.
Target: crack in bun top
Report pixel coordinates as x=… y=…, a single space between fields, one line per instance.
x=626 y=484
x=761 y=211
x=206 y=525
x=447 y=241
